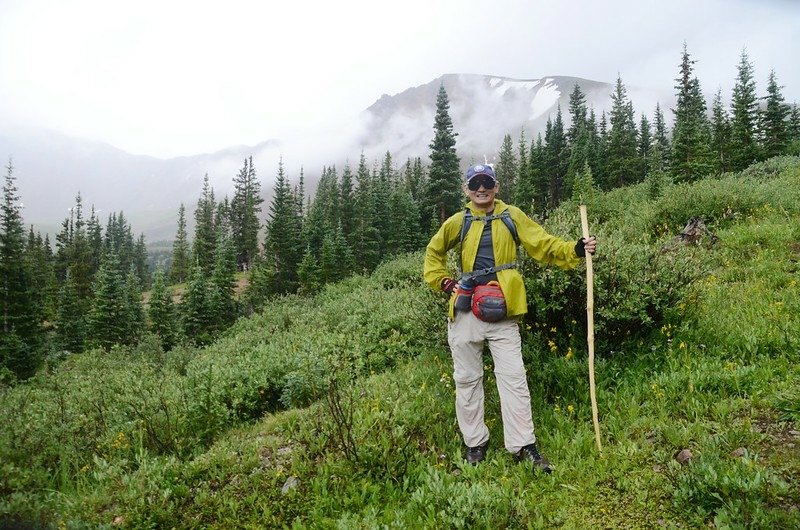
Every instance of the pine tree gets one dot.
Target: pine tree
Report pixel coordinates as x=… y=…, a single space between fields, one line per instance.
x=134 y=312
x=691 y=154
x=720 y=135
x=622 y=160
x=661 y=139
x=404 y=234
x=94 y=234
x=108 y=316
x=261 y=286
x=774 y=123
x=744 y=117
x=656 y=175
x=583 y=190
x=794 y=124
x=205 y=229
x=444 y=196
x=601 y=168
x=245 y=210
x=347 y=205
x=197 y=309
x=309 y=273
x=40 y=275
x=20 y=331
x=506 y=169
x=79 y=254
x=367 y=244
x=578 y=114
x=223 y=280
x=119 y=239
x=139 y=264
x=283 y=243
x=179 y=270
x=161 y=312
x=70 y=322
x=645 y=145
x=557 y=159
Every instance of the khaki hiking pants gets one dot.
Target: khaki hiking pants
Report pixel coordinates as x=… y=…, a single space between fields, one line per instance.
x=466 y=335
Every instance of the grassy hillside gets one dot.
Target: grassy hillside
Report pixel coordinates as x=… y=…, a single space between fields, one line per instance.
x=337 y=411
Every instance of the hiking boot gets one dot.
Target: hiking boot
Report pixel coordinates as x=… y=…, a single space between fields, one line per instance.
x=531 y=454
x=476 y=454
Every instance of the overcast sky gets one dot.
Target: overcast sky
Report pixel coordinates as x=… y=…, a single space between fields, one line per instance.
x=169 y=78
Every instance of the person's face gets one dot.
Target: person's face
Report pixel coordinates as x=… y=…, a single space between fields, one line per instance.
x=481 y=190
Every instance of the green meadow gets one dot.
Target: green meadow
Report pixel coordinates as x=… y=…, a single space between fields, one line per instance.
x=337 y=410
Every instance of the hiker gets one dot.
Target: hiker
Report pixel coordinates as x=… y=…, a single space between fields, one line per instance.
x=485 y=305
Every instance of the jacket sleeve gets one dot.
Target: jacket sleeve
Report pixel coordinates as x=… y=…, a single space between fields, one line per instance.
x=435 y=267
x=541 y=246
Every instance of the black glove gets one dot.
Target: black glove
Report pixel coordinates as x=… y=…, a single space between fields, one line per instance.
x=449 y=285
x=579 y=248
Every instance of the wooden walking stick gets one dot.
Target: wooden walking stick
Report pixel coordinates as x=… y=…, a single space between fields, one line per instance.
x=590 y=328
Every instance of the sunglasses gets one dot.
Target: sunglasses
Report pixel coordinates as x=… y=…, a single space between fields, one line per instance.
x=476 y=182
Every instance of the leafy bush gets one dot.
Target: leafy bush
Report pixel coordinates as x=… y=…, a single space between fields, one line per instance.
x=728 y=490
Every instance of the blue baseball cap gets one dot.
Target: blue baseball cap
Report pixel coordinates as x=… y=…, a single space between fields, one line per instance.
x=480 y=169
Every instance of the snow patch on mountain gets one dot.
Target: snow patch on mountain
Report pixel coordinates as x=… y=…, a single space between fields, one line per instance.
x=503 y=85
x=545 y=98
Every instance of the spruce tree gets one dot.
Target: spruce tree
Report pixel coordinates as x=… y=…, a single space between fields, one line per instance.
x=161 y=312
x=41 y=277
x=108 y=317
x=179 y=269
x=245 y=210
x=656 y=176
x=774 y=120
x=557 y=160
x=720 y=135
x=223 y=279
x=78 y=254
x=794 y=125
x=309 y=273
x=21 y=325
x=645 y=144
x=261 y=286
x=578 y=114
x=382 y=190
x=71 y=322
x=691 y=155
x=623 y=164
x=205 y=229
x=283 y=244
x=139 y=264
x=404 y=234
x=134 y=311
x=744 y=117
x=94 y=234
x=444 y=196
x=600 y=149
x=197 y=309
x=660 y=138
x=506 y=169
x=347 y=205
x=583 y=190
x=367 y=244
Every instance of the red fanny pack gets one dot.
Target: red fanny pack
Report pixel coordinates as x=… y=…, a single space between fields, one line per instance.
x=488 y=302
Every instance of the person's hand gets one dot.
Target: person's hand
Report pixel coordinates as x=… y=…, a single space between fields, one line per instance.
x=585 y=245
x=449 y=285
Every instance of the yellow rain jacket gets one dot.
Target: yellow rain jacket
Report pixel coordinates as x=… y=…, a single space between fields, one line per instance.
x=539 y=245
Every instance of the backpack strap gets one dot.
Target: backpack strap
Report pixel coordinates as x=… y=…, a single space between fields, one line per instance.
x=505 y=217
x=467 y=223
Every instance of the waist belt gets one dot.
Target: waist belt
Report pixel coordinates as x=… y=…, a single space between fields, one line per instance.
x=489 y=270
